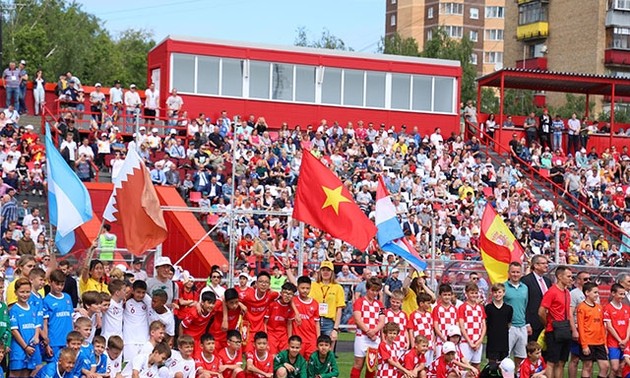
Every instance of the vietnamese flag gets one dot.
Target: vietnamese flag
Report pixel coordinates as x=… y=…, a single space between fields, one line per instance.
x=135 y=205
x=322 y=201
x=498 y=246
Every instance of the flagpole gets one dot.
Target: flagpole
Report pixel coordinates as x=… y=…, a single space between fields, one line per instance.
x=557 y=249
x=231 y=231
x=196 y=244
x=433 y=236
x=301 y=250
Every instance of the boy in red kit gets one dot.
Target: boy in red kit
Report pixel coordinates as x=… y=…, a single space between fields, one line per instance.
x=533 y=366
x=308 y=310
x=616 y=318
x=444 y=315
x=260 y=362
x=415 y=360
x=278 y=320
x=234 y=312
x=195 y=325
x=243 y=285
x=471 y=317
x=388 y=364
x=230 y=358
x=255 y=304
x=444 y=366
x=421 y=324
x=395 y=314
x=369 y=317
x=206 y=362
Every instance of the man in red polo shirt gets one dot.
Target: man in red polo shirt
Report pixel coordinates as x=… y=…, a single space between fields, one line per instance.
x=555 y=307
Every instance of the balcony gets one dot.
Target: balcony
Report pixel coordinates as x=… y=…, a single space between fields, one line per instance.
x=615 y=17
x=615 y=57
x=532 y=64
x=535 y=30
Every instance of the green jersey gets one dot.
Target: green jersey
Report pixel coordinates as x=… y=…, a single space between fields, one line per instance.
x=326 y=369
x=5 y=325
x=299 y=364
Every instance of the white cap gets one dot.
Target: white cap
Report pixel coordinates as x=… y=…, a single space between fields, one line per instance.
x=29 y=127
x=395 y=270
x=98 y=85
x=448 y=347
x=154 y=130
x=142 y=128
x=122 y=267
x=163 y=260
x=132 y=86
x=186 y=276
x=453 y=330
x=507 y=367
x=172 y=131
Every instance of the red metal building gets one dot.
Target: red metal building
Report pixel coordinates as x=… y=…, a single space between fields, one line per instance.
x=304 y=85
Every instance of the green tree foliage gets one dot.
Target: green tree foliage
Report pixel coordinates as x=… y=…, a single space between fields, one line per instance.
x=444 y=47
x=573 y=104
x=325 y=41
x=489 y=101
x=397 y=45
x=58 y=36
x=518 y=102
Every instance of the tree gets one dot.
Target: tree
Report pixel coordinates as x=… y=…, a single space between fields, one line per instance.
x=442 y=46
x=489 y=101
x=325 y=41
x=397 y=45
x=58 y=36
x=573 y=104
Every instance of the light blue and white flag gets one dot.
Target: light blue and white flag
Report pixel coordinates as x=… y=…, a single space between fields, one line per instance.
x=69 y=203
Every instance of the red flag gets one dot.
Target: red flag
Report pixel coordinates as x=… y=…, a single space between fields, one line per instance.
x=135 y=205
x=322 y=201
x=498 y=246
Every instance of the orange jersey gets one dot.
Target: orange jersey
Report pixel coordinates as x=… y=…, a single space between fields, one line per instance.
x=590 y=324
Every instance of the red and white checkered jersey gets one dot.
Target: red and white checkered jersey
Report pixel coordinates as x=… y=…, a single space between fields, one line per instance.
x=421 y=323
x=386 y=352
x=402 y=320
x=370 y=312
x=445 y=317
x=474 y=317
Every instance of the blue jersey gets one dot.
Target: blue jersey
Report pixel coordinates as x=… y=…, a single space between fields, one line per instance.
x=101 y=364
x=58 y=311
x=37 y=303
x=85 y=360
x=51 y=371
x=24 y=320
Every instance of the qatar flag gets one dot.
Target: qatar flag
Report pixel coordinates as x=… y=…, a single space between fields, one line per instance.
x=134 y=204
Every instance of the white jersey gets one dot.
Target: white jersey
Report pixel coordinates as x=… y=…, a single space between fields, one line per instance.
x=136 y=321
x=140 y=363
x=114 y=366
x=166 y=318
x=147 y=348
x=176 y=364
x=76 y=315
x=112 y=323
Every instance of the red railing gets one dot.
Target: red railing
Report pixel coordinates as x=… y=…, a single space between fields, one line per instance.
x=568 y=200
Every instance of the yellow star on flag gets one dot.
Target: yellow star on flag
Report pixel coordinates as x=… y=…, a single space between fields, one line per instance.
x=334 y=198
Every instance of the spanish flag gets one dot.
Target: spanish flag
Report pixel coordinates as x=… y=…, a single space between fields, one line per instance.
x=498 y=246
x=322 y=201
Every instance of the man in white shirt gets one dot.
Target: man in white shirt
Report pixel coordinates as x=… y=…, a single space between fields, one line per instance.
x=174 y=105
x=86 y=149
x=151 y=104
x=71 y=155
x=132 y=105
x=116 y=99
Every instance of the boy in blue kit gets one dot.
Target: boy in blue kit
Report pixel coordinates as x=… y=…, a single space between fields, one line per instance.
x=61 y=368
x=99 y=354
x=57 y=315
x=37 y=276
x=25 y=331
x=86 y=362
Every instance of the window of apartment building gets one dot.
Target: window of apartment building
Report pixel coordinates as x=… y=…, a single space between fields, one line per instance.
x=429 y=34
x=474 y=35
x=392 y=20
x=494 y=35
x=474 y=13
x=430 y=12
x=532 y=12
x=621 y=4
x=474 y=59
x=393 y=1
x=621 y=38
x=452 y=8
x=454 y=31
x=494 y=12
x=492 y=57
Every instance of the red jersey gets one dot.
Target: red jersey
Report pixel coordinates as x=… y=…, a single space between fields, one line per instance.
x=220 y=337
x=225 y=358
x=626 y=367
x=402 y=320
x=618 y=318
x=263 y=364
x=413 y=359
x=277 y=316
x=474 y=317
x=195 y=325
x=185 y=311
x=371 y=312
x=385 y=353
x=241 y=292
x=557 y=303
x=309 y=313
x=421 y=323
x=528 y=368
x=441 y=369
x=444 y=317
x=210 y=364
x=257 y=308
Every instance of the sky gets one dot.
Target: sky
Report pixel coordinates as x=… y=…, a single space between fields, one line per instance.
x=359 y=23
